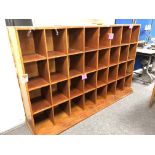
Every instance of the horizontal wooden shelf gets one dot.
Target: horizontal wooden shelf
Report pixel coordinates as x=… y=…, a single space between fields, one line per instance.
x=58 y=77
x=74 y=73
x=36 y=83
x=59 y=98
x=74 y=51
x=89 y=87
x=55 y=54
x=75 y=92
x=33 y=57
x=40 y=105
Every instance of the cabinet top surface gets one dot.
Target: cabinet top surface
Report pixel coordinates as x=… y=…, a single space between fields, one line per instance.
x=68 y=27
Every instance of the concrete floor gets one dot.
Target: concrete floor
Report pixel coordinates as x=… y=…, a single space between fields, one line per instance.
x=130 y=115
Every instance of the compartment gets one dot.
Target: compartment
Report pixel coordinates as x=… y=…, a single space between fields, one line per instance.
x=76 y=87
x=40 y=99
x=102 y=77
x=132 y=51
x=76 y=65
x=121 y=70
x=114 y=55
x=37 y=74
x=90 y=82
x=103 y=58
x=111 y=90
x=32 y=43
x=117 y=31
x=61 y=113
x=124 y=53
x=58 y=69
x=56 y=42
x=77 y=105
x=44 y=121
x=112 y=73
x=90 y=99
x=101 y=93
x=126 y=35
x=135 y=34
x=75 y=40
x=104 y=40
x=130 y=67
x=128 y=81
x=120 y=84
x=90 y=61
x=91 y=38
x=60 y=92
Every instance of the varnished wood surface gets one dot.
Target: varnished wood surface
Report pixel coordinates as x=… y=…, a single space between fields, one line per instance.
x=55 y=59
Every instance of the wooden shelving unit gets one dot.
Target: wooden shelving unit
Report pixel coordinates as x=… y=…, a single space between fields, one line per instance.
x=67 y=74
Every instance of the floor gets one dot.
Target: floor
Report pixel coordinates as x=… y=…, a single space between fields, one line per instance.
x=130 y=115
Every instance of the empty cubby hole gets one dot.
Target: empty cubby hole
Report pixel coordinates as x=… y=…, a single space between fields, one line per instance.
x=91 y=38
x=128 y=81
x=126 y=35
x=111 y=89
x=76 y=65
x=77 y=105
x=114 y=55
x=121 y=70
x=103 y=58
x=130 y=67
x=40 y=99
x=120 y=84
x=60 y=92
x=101 y=93
x=90 y=61
x=132 y=51
x=75 y=40
x=135 y=34
x=32 y=43
x=76 y=86
x=124 y=53
x=117 y=31
x=56 y=42
x=42 y=119
x=37 y=74
x=58 y=69
x=61 y=113
x=90 y=82
x=102 y=77
x=90 y=98
x=104 y=40
x=112 y=73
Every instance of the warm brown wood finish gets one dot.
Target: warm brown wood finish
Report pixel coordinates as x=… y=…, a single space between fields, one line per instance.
x=73 y=72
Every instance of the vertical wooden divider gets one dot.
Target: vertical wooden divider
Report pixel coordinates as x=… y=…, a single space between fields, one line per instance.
x=52 y=109
x=68 y=65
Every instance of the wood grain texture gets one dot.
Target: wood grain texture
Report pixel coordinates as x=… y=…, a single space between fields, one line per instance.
x=55 y=58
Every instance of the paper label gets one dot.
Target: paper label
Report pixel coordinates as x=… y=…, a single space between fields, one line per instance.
x=24 y=78
x=131 y=26
x=84 y=76
x=111 y=36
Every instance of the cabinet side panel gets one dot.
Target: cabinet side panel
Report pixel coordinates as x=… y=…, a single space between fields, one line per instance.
x=16 y=51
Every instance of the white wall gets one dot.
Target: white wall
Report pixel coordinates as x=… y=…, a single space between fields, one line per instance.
x=11 y=106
